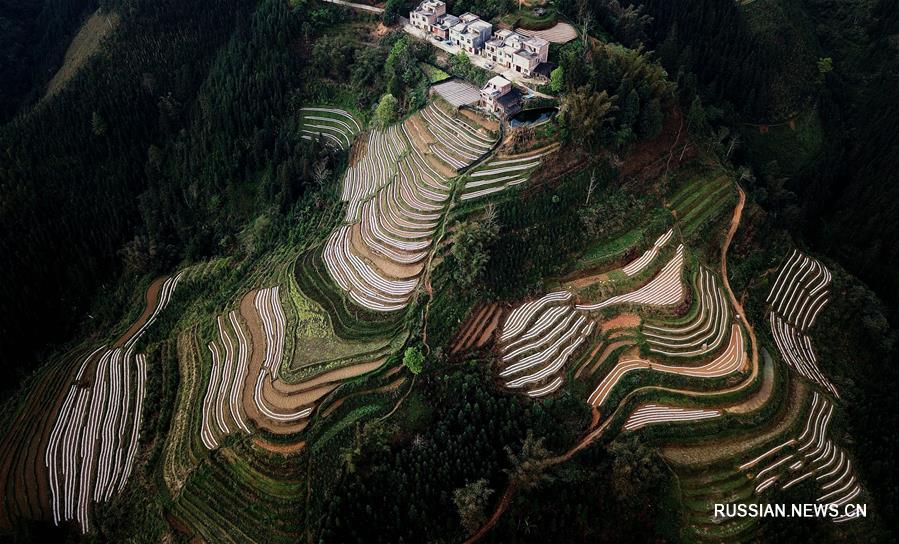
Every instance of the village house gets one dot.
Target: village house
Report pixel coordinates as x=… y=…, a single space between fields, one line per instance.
x=470 y=33
x=524 y=54
x=442 y=28
x=427 y=14
x=500 y=98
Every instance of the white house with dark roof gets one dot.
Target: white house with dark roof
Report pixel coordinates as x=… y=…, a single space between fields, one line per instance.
x=516 y=51
x=500 y=97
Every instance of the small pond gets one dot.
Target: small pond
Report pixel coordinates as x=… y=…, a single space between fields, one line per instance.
x=532 y=117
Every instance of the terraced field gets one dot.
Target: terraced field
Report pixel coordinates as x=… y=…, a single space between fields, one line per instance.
x=701 y=202
x=664 y=353
x=334 y=126
x=396 y=196
x=74 y=440
x=279 y=375
x=799 y=294
x=503 y=171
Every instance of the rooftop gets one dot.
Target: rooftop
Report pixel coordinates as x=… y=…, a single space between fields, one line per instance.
x=498 y=81
x=429 y=6
x=510 y=99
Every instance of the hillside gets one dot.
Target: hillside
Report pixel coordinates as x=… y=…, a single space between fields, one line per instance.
x=283 y=272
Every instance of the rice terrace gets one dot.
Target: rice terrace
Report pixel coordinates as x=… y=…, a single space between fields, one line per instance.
x=287 y=271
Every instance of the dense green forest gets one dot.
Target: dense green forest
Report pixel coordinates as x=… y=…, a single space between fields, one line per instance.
x=108 y=181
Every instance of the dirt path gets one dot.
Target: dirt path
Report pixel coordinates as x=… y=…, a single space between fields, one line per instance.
x=741 y=314
x=500 y=509
x=596 y=432
x=151 y=299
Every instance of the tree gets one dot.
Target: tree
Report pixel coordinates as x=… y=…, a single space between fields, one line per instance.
x=98 y=124
x=469 y=251
x=584 y=115
x=696 y=117
x=636 y=470
x=471 y=502
x=557 y=79
x=385 y=113
x=392 y=10
x=527 y=470
x=414 y=360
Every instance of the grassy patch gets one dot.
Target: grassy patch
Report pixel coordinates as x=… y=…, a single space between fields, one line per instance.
x=433 y=73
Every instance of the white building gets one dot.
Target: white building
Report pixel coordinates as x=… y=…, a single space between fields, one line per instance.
x=516 y=51
x=427 y=14
x=499 y=97
x=470 y=33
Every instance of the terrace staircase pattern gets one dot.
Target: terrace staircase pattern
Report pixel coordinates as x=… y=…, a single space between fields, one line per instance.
x=812 y=457
x=800 y=292
x=502 y=172
x=336 y=127
x=396 y=196
x=703 y=334
x=91 y=450
x=537 y=341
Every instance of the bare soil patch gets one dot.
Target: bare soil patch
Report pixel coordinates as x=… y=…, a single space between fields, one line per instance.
x=389 y=267
x=151 y=299
x=84 y=45
x=489 y=124
x=621 y=321
x=340 y=374
x=488 y=331
x=283 y=449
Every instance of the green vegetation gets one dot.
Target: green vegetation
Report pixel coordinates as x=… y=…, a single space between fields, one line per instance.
x=408 y=439
x=434 y=74
x=414 y=360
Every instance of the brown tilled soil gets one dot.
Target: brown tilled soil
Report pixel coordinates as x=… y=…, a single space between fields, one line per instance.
x=257 y=342
x=151 y=298
x=359 y=148
x=651 y=159
x=605 y=354
x=489 y=124
x=470 y=327
x=283 y=449
x=586 y=281
x=26 y=491
x=257 y=352
x=422 y=138
x=338 y=375
x=621 y=321
x=488 y=331
x=293 y=401
x=389 y=267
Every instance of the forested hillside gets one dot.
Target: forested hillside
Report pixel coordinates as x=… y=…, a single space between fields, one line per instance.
x=106 y=178
x=34 y=35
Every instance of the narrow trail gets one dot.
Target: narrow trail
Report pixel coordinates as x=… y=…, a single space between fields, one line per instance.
x=598 y=431
x=457 y=188
x=399 y=402
x=500 y=509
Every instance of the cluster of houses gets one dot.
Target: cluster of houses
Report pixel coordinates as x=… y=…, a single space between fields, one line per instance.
x=523 y=54
x=526 y=55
